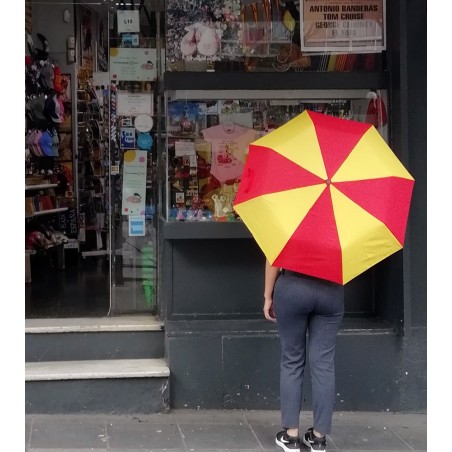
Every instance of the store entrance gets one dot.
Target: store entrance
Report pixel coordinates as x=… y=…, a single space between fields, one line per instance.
x=91 y=232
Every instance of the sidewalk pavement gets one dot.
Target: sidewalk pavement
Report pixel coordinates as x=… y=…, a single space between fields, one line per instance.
x=217 y=430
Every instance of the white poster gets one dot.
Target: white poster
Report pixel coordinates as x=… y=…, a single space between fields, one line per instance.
x=134 y=182
x=134 y=104
x=127 y=64
x=128 y=20
x=357 y=26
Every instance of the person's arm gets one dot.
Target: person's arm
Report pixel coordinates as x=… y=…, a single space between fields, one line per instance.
x=271 y=273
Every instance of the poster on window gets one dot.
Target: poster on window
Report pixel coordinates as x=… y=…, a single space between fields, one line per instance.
x=134 y=182
x=134 y=104
x=357 y=26
x=133 y=64
x=203 y=30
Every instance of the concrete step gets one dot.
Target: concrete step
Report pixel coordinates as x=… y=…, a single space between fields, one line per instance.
x=95 y=369
x=71 y=325
x=97 y=386
x=122 y=337
x=96 y=365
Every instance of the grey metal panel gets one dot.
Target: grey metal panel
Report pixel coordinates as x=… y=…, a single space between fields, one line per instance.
x=225 y=279
x=98 y=345
x=367 y=372
x=217 y=278
x=215 y=366
x=205 y=230
x=416 y=20
x=230 y=364
x=195 y=365
x=121 y=396
x=251 y=372
x=413 y=372
x=272 y=80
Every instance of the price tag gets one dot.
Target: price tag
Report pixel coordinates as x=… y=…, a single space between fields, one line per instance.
x=128 y=21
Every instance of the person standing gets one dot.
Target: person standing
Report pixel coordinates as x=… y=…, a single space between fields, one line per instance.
x=308 y=312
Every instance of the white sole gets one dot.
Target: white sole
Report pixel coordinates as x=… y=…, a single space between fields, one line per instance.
x=280 y=444
x=308 y=444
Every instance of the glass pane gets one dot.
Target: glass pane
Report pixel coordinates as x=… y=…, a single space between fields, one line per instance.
x=134 y=68
x=207 y=142
x=91 y=230
x=266 y=36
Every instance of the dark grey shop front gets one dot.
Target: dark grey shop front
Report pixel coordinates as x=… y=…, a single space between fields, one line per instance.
x=220 y=351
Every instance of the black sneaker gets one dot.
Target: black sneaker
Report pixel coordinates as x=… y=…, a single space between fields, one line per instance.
x=310 y=440
x=286 y=442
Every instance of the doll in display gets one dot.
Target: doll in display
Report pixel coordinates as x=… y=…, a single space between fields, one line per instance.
x=202 y=38
x=218 y=206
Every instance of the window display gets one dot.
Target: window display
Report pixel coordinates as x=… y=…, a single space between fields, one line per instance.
x=208 y=144
x=256 y=36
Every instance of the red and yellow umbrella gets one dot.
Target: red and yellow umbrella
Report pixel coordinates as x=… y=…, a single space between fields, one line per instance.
x=325 y=196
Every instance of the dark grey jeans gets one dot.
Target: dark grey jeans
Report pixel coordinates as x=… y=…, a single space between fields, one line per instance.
x=308 y=311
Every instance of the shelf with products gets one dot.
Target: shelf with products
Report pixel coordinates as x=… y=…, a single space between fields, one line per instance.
x=43 y=232
x=207 y=137
x=49 y=184
x=92 y=161
x=42 y=199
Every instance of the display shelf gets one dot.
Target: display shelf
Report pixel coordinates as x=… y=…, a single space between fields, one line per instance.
x=177 y=230
x=280 y=81
x=45 y=212
x=40 y=186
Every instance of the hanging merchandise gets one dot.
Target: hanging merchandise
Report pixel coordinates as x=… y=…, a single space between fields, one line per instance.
x=376 y=110
x=35 y=111
x=37 y=144
x=38 y=54
x=55 y=143
x=229 y=148
x=52 y=110
x=47 y=76
x=57 y=79
x=45 y=142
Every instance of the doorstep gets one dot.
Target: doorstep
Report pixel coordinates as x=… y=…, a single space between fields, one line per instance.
x=71 y=325
x=95 y=369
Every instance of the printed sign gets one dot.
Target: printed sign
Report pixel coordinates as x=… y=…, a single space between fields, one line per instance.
x=68 y=222
x=132 y=64
x=134 y=104
x=357 y=26
x=134 y=182
x=128 y=21
x=127 y=138
x=136 y=225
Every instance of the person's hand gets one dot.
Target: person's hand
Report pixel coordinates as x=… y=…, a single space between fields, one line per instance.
x=268 y=310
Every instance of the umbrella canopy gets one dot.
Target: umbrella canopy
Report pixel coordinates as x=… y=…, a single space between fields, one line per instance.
x=325 y=196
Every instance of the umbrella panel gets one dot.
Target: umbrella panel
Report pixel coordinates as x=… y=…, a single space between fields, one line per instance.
x=336 y=231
